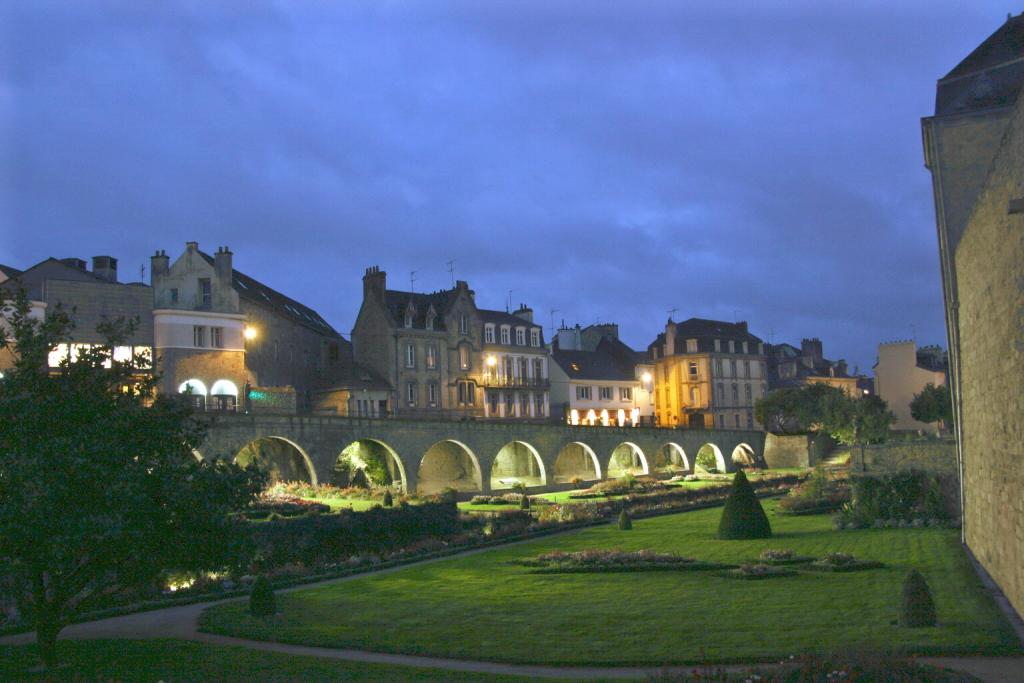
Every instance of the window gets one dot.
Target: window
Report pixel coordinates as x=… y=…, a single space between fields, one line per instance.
x=430 y=319
x=691 y=346
x=749 y=393
x=746 y=368
x=332 y=353
x=721 y=421
x=693 y=368
x=432 y=394
x=489 y=334
x=524 y=404
x=534 y=337
x=410 y=356
x=505 y=335
x=750 y=420
x=694 y=396
x=520 y=336
x=463 y=324
x=760 y=349
x=217 y=337
x=729 y=368
x=538 y=369
x=720 y=392
x=464 y=357
x=408 y=319
x=718 y=345
x=205 y=293
x=431 y=356
x=467 y=393
x=625 y=393
x=718 y=366
x=764 y=390
x=410 y=393
x=735 y=394
x=744 y=347
x=737 y=416
x=732 y=346
x=174 y=295
x=199 y=336
x=538 y=405
x=605 y=393
x=510 y=404
x=583 y=393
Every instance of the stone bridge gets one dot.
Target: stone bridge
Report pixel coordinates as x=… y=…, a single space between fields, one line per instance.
x=429 y=456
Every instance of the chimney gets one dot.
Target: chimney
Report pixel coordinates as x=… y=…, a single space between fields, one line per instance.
x=742 y=325
x=568 y=339
x=811 y=348
x=525 y=313
x=670 y=338
x=222 y=264
x=374 y=284
x=159 y=265
x=105 y=267
x=76 y=263
x=191 y=246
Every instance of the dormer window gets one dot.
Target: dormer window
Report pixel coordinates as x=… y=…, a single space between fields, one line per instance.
x=489 y=333
x=691 y=346
x=410 y=313
x=408 y=319
x=535 y=337
x=732 y=346
x=431 y=315
x=718 y=345
x=744 y=347
x=521 y=336
x=506 y=335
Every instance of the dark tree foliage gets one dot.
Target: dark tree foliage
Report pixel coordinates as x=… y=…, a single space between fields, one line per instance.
x=524 y=502
x=99 y=490
x=625 y=521
x=933 y=404
x=262 y=602
x=743 y=517
x=827 y=409
x=389 y=500
x=917 y=608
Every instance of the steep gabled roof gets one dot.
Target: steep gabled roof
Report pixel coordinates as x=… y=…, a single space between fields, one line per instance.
x=253 y=290
x=397 y=302
x=989 y=77
x=8 y=271
x=611 y=360
x=503 y=318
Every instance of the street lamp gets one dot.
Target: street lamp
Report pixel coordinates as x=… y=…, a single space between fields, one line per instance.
x=249 y=333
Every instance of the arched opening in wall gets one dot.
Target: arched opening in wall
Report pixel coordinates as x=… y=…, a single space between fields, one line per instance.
x=627 y=458
x=196 y=391
x=743 y=456
x=224 y=396
x=279 y=458
x=448 y=464
x=577 y=461
x=517 y=462
x=709 y=458
x=671 y=460
x=369 y=463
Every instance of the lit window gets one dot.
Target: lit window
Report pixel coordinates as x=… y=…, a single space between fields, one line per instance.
x=521 y=336
x=625 y=394
x=489 y=334
x=464 y=357
x=431 y=356
x=535 y=337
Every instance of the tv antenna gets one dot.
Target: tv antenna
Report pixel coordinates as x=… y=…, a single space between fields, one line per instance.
x=412 y=280
x=552 y=314
x=672 y=313
x=508 y=303
x=451 y=270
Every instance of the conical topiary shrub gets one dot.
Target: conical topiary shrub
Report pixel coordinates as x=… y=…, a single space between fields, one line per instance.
x=625 y=521
x=261 y=599
x=524 y=502
x=917 y=608
x=743 y=516
x=388 y=499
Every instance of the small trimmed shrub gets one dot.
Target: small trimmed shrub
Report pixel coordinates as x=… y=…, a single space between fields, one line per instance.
x=524 y=503
x=261 y=599
x=743 y=516
x=625 y=521
x=388 y=499
x=917 y=608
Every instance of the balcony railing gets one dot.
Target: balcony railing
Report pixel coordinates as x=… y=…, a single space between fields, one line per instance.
x=503 y=382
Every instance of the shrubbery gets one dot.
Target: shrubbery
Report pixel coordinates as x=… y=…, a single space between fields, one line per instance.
x=625 y=522
x=743 y=516
x=262 y=602
x=901 y=496
x=917 y=608
x=820 y=492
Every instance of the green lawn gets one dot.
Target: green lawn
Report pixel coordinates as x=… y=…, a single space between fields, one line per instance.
x=357 y=504
x=481 y=607
x=176 y=661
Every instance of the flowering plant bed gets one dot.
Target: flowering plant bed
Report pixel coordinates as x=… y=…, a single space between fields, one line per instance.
x=841 y=562
x=757 y=572
x=558 y=562
x=782 y=557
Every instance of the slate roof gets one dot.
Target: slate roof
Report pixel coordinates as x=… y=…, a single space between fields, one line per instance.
x=612 y=360
x=252 y=289
x=397 y=302
x=503 y=318
x=360 y=376
x=989 y=77
x=701 y=327
x=9 y=271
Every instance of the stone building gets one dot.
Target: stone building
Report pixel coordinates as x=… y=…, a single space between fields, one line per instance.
x=445 y=357
x=708 y=373
x=974 y=149
x=91 y=297
x=596 y=379
x=789 y=366
x=219 y=332
x=904 y=370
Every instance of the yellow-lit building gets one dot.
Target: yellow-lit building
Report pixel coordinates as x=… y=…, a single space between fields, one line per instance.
x=708 y=373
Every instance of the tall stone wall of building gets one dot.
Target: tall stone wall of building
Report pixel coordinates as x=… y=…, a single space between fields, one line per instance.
x=990 y=273
x=938 y=457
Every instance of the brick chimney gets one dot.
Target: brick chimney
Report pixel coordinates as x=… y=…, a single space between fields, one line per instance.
x=105 y=267
x=222 y=264
x=374 y=283
x=524 y=312
x=159 y=265
x=811 y=348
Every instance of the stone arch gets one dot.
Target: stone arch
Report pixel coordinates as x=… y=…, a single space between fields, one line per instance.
x=449 y=464
x=379 y=462
x=710 y=454
x=671 y=459
x=627 y=458
x=577 y=460
x=281 y=458
x=517 y=461
x=743 y=455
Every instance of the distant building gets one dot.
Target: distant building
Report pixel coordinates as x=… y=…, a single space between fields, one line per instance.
x=219 y=332
x=789 y=366
x=445 y=357
x=708 y=374
x=596 y=379
x=902 y=371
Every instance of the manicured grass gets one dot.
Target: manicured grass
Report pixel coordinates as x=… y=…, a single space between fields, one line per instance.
x=357 y=504
x=178 y=661
x=482 y=607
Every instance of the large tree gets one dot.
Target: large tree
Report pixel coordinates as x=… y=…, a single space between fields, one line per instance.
x=99 y=489
x=825 y=409
x=933 y=404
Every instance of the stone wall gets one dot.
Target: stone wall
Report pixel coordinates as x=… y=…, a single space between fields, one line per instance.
x=786 y=450
x=938 y=457
x=990 y=274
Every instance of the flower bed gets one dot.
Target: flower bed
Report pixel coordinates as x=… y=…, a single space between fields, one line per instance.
x=841 y=562
x=782 y=558
x=597 y=561
x=507 y=499
x=621 y=486
x=282 y=505
x=757 y=572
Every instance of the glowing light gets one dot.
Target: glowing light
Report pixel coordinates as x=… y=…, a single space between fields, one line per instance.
x=249 y=332
x=621 y=417
x=574 y=417
x=491 y=361
x=604 y=417
x=592 y=417
x=634 y=415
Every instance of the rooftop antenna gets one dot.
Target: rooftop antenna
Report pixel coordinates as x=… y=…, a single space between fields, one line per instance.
x=913 y=331
x=142 y=272
x=672 y=313
x=451 y=270
x=508 y=304
x=412 y=280
x=552 y=314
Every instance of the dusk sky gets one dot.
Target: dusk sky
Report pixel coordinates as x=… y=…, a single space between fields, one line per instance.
x=733 y=160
